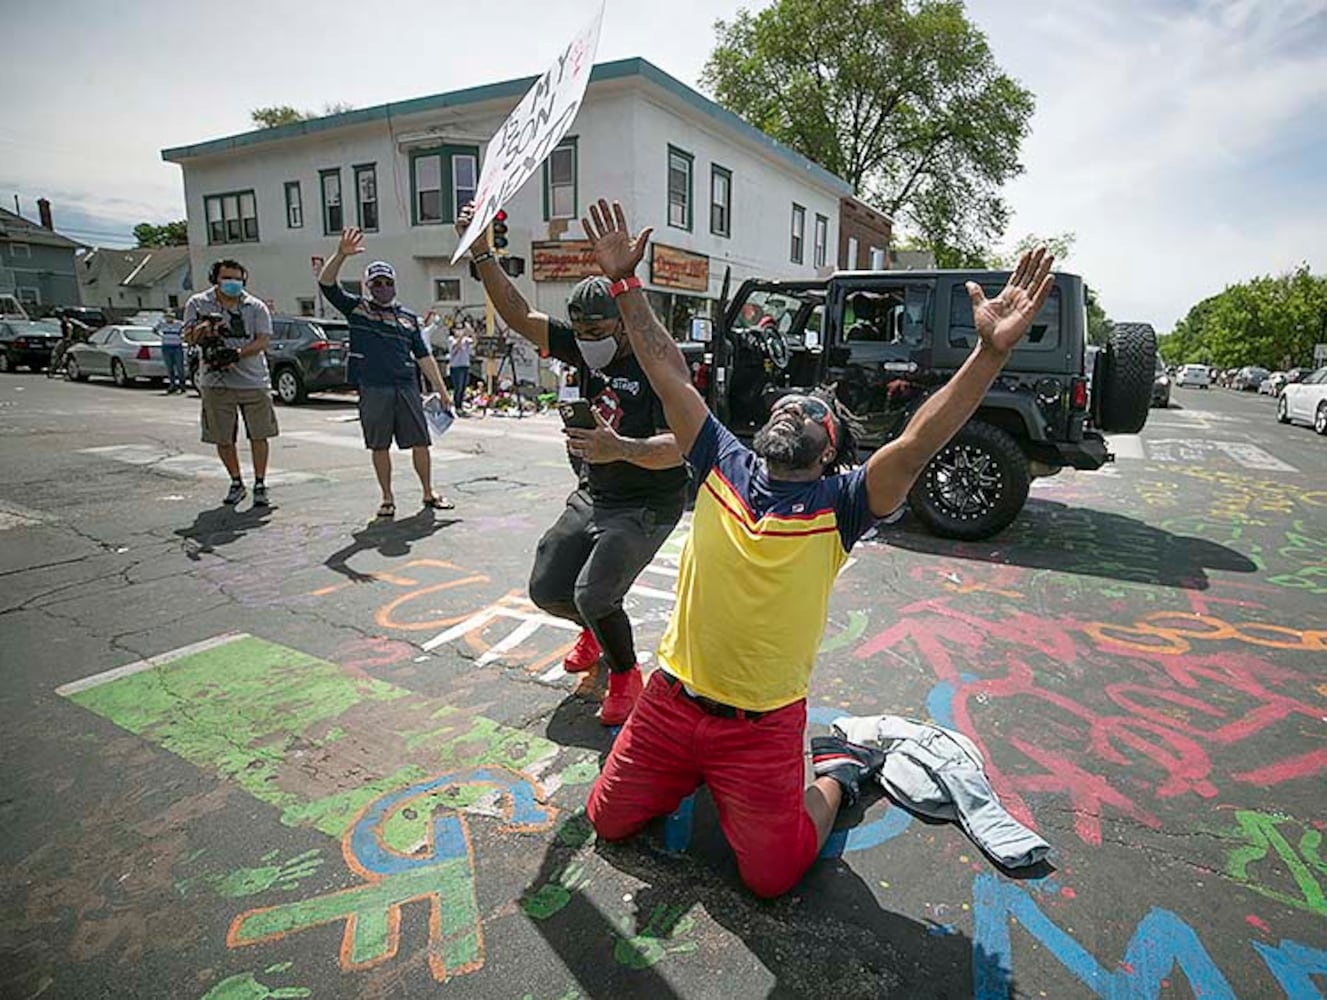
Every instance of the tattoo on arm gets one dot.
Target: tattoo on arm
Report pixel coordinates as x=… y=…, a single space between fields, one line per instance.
x=658 y=452
x=652 y=342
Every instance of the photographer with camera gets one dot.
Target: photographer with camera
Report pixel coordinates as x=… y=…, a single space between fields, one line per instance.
x=231 y=329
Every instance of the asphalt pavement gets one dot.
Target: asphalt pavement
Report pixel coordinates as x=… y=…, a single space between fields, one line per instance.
x=286 y=753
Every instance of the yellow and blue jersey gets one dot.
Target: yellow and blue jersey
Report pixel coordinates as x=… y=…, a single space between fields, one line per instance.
x=756 y=573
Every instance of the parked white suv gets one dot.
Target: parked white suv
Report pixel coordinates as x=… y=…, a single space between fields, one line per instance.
x=1196 y=375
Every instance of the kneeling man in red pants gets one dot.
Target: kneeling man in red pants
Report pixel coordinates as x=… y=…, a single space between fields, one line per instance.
x=772 y=528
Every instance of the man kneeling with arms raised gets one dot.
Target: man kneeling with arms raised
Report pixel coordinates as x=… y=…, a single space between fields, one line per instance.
x=772 y=529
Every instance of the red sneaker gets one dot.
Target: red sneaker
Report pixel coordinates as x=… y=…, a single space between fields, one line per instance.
x=584 y=655
x=623 y=690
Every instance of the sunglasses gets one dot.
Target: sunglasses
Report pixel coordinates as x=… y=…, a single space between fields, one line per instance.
x=382 y=283
x=812 y=408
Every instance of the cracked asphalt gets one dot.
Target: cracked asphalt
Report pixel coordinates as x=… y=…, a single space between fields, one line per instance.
x=292 y=752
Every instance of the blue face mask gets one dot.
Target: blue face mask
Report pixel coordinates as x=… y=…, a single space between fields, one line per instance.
x=232 y=287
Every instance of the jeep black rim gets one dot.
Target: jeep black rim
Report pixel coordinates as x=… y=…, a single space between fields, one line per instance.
x=967 y=481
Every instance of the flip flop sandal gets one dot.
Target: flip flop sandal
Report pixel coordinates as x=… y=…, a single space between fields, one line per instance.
x=439 y=503
x=387 y=510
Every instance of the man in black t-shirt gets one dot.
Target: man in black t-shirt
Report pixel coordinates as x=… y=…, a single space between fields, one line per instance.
x=632 y=480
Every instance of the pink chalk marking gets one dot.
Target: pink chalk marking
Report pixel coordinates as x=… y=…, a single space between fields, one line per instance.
x=1285 y=770
x=1068 y=893
x=1257 y=922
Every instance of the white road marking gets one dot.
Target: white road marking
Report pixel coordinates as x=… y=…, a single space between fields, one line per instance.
x=1195 y=451
x=357 y=442
x=14 y=516
x=114 y=674
x=1126 y=446
x=1252 y=457
x=186 y=465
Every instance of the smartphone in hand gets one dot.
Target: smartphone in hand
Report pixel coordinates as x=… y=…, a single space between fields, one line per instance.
x=577 y=413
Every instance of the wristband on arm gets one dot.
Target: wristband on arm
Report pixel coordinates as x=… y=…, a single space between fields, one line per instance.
x=627 y=284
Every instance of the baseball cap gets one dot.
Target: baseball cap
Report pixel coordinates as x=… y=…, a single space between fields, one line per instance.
x=590 y=301
x=379 y=269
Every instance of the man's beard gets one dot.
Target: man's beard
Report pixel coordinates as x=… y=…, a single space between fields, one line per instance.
x=791 y=448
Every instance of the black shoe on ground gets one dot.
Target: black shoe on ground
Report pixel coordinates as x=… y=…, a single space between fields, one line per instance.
x=847 y=763
x=235 y=494
x=260 y=495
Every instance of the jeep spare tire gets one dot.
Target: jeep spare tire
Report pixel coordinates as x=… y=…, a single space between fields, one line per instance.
x=975 y=486
x=1125 y=371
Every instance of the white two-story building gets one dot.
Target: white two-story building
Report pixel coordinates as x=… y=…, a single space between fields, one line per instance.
x=719 y=193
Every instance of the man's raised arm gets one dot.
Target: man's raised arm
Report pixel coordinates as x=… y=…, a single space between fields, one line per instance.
x=502 y=291
x=1001 y=323
x=619 y=255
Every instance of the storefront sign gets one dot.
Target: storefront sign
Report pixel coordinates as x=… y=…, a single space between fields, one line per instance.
x=563 y=261
x=533 y=129
x=673 y=268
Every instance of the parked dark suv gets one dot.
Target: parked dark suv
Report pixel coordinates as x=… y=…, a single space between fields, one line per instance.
x=887 y=339
x=307 y=355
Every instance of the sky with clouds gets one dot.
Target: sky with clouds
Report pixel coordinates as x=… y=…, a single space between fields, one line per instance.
x=1184 y=142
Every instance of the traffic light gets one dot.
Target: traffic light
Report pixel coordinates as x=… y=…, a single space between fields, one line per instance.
x=500 y=230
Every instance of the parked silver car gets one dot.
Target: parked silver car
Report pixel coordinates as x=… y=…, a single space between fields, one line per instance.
x=125 y=353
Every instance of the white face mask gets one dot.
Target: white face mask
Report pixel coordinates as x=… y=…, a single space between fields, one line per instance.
x=598 y=353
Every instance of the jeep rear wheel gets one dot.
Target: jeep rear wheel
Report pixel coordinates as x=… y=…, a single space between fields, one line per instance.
x=1126 y=371
x=975 y=486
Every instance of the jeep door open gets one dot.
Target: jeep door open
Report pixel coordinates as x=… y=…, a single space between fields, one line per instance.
x=887 y=340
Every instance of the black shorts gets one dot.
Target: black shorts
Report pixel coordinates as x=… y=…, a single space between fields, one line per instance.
x=392 y=411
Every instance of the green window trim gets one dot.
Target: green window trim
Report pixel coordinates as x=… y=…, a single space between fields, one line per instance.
x=244 y=234
x=571 y=142
x=358 y=171
x=444 y=155
x=716 y=172
x=323 y=207
x=691 y=187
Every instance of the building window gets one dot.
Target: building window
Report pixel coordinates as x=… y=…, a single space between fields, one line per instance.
x=822 y=240
x=851 y=262
x=294 y=206
x=366 y=197
x=877 y=259
x=29 y=296
x=334 y=219
x=428 y=188
x=446 y=289
x=451 y=169
x=679 y=188
x=560 y=181
x=305 y=306
x=721 y=201
x=20 y=250
x=172 y=302
x=799 y=232
x=231 y=218
x=465 y=179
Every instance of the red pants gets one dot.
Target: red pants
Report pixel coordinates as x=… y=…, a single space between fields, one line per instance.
x=754 y=769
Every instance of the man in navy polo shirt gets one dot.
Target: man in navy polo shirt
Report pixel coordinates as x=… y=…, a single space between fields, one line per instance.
x=387 y=352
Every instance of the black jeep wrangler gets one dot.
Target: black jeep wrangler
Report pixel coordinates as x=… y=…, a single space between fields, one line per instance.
x=886 y=339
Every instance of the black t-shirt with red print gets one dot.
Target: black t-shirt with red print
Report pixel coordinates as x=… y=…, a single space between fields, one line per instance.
x=622 y=395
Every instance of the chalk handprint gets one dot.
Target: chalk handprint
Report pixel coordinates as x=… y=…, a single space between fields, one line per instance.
x=284 y=875
x=661 y=936
x=555 y=894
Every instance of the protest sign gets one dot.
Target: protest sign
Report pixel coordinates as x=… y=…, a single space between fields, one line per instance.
x=533 y=129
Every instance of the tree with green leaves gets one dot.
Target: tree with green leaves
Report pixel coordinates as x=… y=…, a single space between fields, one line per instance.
x=903 y=99
x=171 y=234
x=284 y=114
x=279 y=114
x=1268 y=321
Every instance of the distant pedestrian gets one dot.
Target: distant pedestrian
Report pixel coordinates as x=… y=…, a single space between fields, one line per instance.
x=171 y=333
x=387 y=353
x=458 y=362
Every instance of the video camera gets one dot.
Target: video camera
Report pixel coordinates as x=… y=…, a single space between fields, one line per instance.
x=210 y=332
